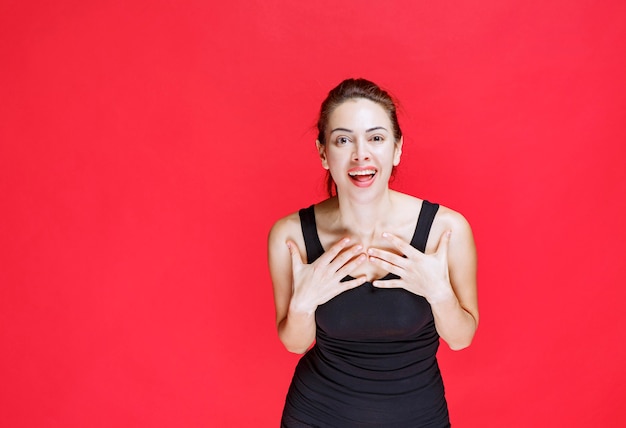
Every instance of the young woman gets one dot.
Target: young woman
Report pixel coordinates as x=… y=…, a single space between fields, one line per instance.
x=372 y=278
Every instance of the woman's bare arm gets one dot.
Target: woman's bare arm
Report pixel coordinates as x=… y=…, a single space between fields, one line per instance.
x=445 y=278
x=299 y=288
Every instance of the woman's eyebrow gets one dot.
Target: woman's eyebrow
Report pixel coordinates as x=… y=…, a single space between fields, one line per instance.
x=341 y=129
x=376 y=128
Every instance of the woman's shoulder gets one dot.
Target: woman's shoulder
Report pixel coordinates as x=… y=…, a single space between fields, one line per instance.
x=286 y=225
x=446 y=217
x=412 y=205
x=451 y=219
x=289 y=226
x=407 y=203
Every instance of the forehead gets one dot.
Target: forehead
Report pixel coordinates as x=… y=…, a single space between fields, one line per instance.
x=358 y=114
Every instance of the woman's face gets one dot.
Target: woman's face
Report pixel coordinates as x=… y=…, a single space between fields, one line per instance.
x=360 y=150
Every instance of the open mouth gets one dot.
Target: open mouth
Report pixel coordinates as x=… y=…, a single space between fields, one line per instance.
x=362 y=175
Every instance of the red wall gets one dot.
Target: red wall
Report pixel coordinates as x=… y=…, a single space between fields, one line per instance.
x=148 y=146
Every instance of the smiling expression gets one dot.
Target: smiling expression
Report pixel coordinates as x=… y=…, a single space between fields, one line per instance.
x=361 y=150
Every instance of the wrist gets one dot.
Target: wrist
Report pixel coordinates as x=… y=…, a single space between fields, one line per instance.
x=443 y=295
x=300 y=309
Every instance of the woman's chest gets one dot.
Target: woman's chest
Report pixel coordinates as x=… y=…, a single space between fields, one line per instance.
x=370 y=313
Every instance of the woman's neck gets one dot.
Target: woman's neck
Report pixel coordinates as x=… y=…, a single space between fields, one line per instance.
x=366 y=219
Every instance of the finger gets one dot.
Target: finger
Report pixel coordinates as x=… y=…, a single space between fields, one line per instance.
x=344 y=286
x=342 y=258
x=388 y=256
x=350 y=266
x=296 y=257
x=332 y=252
x=388 y=283
x=353 y=283
x=385 y=265
x=444 y=241
x=404 y=247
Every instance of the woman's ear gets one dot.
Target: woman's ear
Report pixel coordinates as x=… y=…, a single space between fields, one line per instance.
x=397 y=152
x=321 y=148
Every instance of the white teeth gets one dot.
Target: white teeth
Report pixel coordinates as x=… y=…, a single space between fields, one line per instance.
x=362 y=172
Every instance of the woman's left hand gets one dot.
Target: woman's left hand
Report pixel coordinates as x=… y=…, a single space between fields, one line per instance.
x=423 y=274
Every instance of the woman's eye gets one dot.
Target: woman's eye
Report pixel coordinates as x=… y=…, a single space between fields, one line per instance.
x=377 y=138
x=342 y=140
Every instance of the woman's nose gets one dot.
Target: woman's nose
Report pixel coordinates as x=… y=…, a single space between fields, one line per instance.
x=361 y=151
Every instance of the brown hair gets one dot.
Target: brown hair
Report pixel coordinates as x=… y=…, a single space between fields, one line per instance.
x=351 y=89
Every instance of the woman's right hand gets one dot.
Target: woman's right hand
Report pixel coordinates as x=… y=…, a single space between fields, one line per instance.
x=320 y=281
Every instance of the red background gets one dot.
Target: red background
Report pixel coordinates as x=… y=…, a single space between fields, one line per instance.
x=148 y=146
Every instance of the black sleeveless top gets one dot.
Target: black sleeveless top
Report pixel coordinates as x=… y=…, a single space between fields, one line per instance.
x=373 y=363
